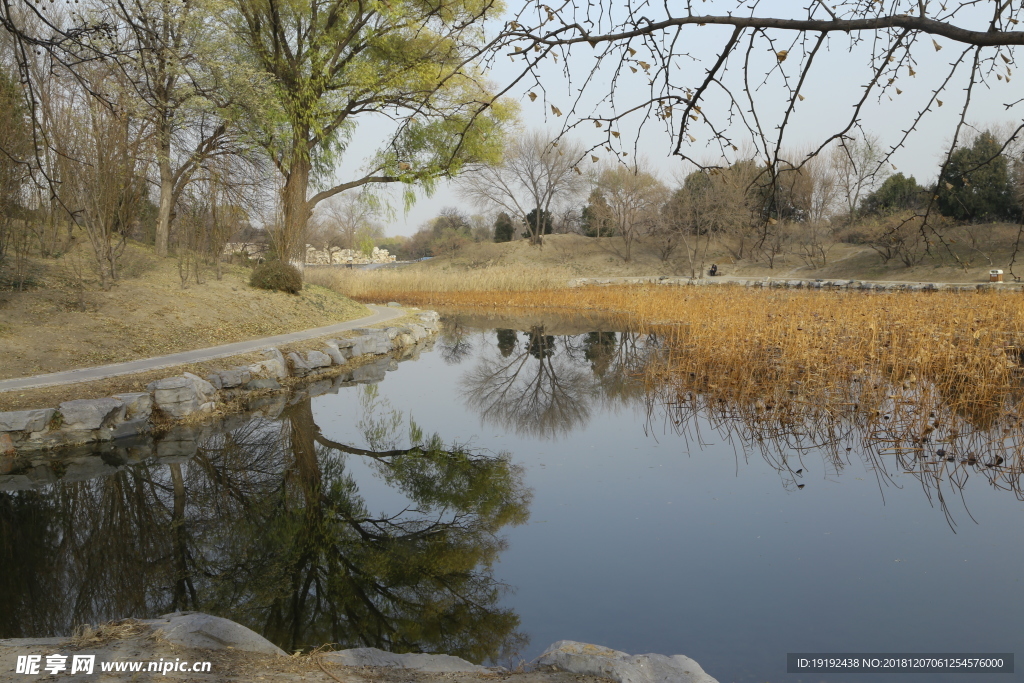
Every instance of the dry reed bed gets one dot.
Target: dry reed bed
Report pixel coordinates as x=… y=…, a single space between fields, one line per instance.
x=932 y=379
x=411 y=284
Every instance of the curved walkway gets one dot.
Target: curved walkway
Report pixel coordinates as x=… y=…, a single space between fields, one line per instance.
x=380 y=314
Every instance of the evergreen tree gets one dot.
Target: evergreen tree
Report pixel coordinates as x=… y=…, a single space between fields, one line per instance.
x=504 y=230
x=538 y=222
x=595 y=218
x=897 y=193
x=977 y=185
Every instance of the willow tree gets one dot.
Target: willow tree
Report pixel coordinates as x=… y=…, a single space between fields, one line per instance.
x=406 y=64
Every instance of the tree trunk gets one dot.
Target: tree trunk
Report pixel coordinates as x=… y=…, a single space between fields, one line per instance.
x=291 y=236
x=163 y=223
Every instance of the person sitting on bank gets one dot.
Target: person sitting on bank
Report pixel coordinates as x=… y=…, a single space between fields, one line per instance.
x=714 y=270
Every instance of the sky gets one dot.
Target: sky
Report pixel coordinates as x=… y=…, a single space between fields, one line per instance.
x=832 y=87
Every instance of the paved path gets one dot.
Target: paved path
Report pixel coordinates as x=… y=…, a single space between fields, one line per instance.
x=380 y=314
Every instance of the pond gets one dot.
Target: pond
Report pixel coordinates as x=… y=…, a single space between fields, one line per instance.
x=527 y=481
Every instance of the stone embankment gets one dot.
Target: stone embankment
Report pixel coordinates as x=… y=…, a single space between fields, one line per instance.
x=194 y=636
x=782 y=283
x=335 y=363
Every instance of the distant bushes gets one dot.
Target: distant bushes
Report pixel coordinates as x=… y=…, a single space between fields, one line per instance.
x=277 y=276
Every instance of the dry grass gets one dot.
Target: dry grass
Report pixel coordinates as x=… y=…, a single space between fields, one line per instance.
x=410 y=283
x=97 y=636
x=56 y=327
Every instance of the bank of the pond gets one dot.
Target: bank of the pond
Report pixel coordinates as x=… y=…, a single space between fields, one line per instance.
x=170 y=402
x=207 y=648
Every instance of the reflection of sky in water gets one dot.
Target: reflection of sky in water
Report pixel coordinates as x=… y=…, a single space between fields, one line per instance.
x=639 y=544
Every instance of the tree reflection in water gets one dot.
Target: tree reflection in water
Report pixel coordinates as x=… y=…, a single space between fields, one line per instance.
x=547 y=386
x=542 y=386
x=265 y=525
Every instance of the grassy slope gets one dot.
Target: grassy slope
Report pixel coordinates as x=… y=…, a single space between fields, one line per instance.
x=46 y=329
x=574 y=256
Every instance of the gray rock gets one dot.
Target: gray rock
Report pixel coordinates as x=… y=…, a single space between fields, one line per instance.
x=262 y=383
x=26 y=420
x=215 y=380
x=298 y=366
x=371 y=656
x=195 y=629
x=342 y=343
x=136 y=404
x=281 y=368
x=417 y=331
x=317 y=359
x=234 y=377
x=373 y=342
x=175 y=396
x=268 y=368
x=334 y=353
x=430 y=316
x=405 y=340
x=204 y=390
x=592 y=660
x=130 y=428
x=394 y=304
x=392 y=332
x=91 y=413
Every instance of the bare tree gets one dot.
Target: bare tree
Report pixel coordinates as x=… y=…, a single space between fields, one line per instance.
x=535 y=175
x=102 y=175
x=633 y=198
x=763 y=62
x=345 y=219
x=857 y=164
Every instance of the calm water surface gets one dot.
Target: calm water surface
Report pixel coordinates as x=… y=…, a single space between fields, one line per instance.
x=557 y=501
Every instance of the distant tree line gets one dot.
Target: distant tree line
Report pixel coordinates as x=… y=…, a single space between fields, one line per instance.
x=803 y=207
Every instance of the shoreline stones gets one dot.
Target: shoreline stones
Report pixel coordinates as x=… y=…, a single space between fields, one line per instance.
x=88 y=421
x=208 y=632
x=768 y=282
x=583 y=658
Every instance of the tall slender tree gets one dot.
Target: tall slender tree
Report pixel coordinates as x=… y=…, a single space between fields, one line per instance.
x=336 y=63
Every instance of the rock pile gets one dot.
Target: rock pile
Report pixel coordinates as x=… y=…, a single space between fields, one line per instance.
x=337 y=256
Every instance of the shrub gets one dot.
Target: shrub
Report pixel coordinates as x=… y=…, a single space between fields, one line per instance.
x=277 y=275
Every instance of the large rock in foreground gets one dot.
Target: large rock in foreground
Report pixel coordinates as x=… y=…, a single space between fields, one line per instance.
x=195 y=629
x=583 y=658
x=371 y=656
